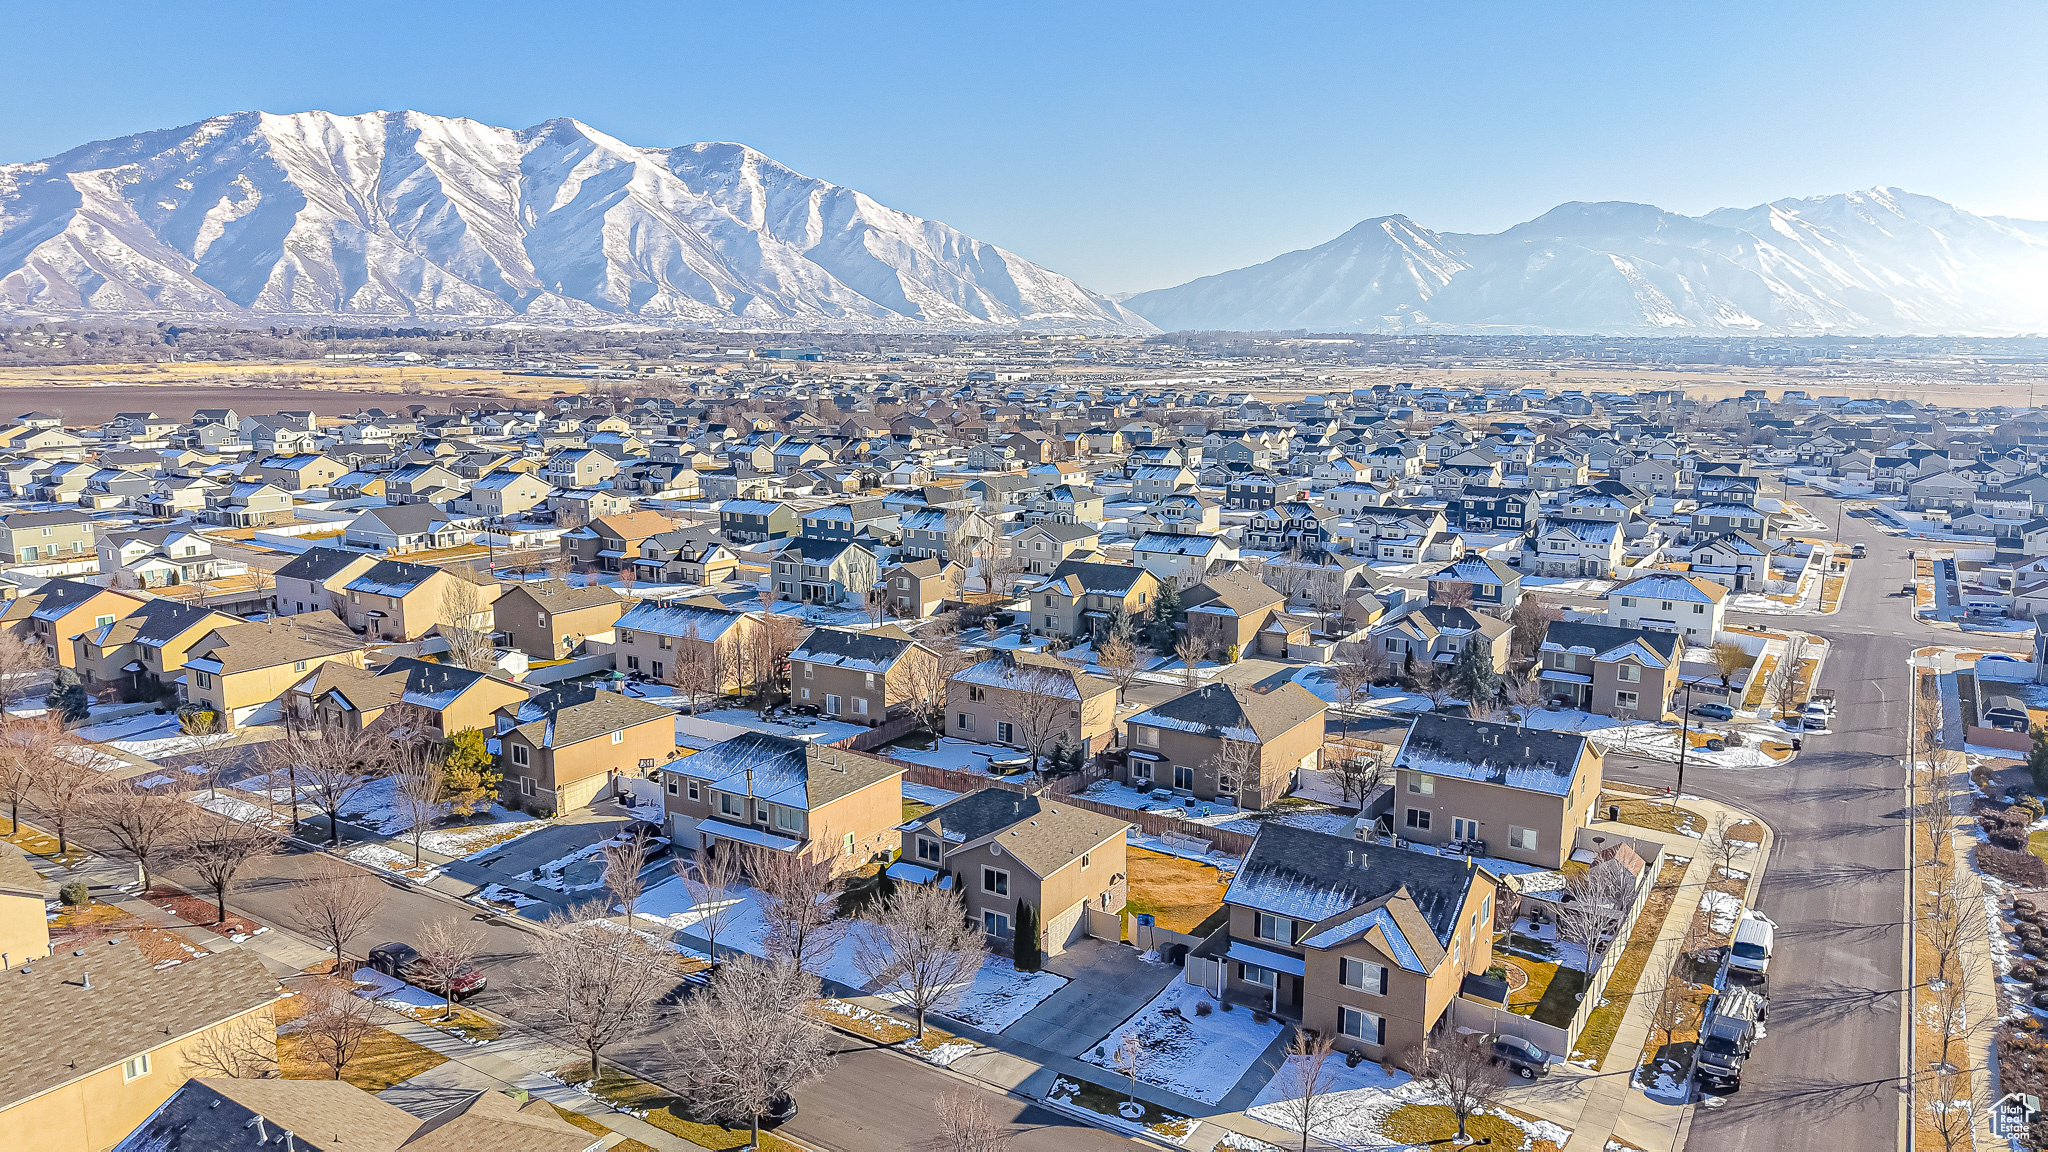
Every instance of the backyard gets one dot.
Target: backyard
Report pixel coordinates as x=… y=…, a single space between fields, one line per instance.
x=1180 y=895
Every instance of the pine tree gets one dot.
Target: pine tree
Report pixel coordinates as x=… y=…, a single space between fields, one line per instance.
x=2037 y=760
x=1028 y=956
x=470 y=775
x=67 y=696
x=1166 y=613
x=1472 y=672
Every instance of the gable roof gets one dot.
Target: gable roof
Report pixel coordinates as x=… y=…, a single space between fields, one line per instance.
x=1315 y=876
x=1235 y=711
x=783 y=770
x=874 y=651
x=267 y=643
x=552 y=723
x=1041 y=835
x=1606 y=641
x=1528 y=758
x=561 y=596
x=212 y=1115
x=392 y=578
x=320 y=564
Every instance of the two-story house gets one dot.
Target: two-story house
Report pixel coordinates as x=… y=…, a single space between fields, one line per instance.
x=859 y=677
x=248 y=504
x=503 y=494
x=563 y=748
x=1577 y=548
x=824 y=571
x=1287 y=526
x=1002 y=700
x=42 y=537
x=1230 y=743
x=659 y=638
x=1366 y=944
x=1629 y=673
x=408 y=528
x=779 y=794
x=919 y=589
x=612 y=543
x=1046 y=545
x=1418 y=635
x=59 y=611
x=156 y=558
x=756 y=521
x=241 y=671
x=314 y=580
x=1004 y=851
x=437 y=699
x=548 y=619
x=143 y=653
x=1482 y=582
x=1080 y=598
x=1481 y=509
x=1691 y=606
x=1500 y=790
x=398 y=600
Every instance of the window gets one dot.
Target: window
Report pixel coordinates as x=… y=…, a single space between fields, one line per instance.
x=860 y=705
x=135 y=1067
x=205 y=680
x=996 y=924
x=1003 y=731
x=1146 y=737
x=618 y=737
x=928 y=850
x=1276 y=928
x=846 y=844
x=1361 y=1025
x=692 y=793
x=1625 y=700
x=673 y=790
x=102 y=621
x=807 y=671
x=789 y=819
x=656 y=669
x=632 y=663
x=1418 y=818
x=1183 y=778
x=1084 y=859
x=1141 y=774
x=1463 y=828
x=995 y=881
x=1420 y=785
x=299 y=666
x=1253 y=974
x=49 y=531
x=1628 y=673
x=1699 y=609
x=966 y=722
x=1362 y=975
x=519 y=754
x=831 y=704
x=729 y=805
x=1523 y=838
x=1628 y=601
x=526 y=785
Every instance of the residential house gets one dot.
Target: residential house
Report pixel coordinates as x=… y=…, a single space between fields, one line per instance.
x=1182 y=559
x=143 y=653
x=992 y=703
x=1048 y=544
x=1080 y=598
x=439 y=699
x=1481 y=582
x=409 y=528
x=1289 y=526
x=1229 y=743
x=298 y=473
x=1367 y=945
x=933 y=531
x=313 y=1115
x=575 y=507
x=825 y=572
x=502 y=494
x=239 y=672
x=249 y=504
x=1715 y=519
x=1627 y=673
x=784 y=795
x=1692 y=606
x=1577 y=548
x=563 y=748
x=756 y=521
x=156 y=558
x=1516 y=793
x=43 y=537
x=1255 y=492
x=919 y=589
x=59 y=611
x=1004 y=851
x=397 y=600
x=1423 y=634
x=1228 y=610
x=685 y=556
x=313 y=581
x=612 y=543
x=549 y=619
x=1482 y=509
x=663 y=640
x=1182 y=513
x=1734 y=560
x=862 y=677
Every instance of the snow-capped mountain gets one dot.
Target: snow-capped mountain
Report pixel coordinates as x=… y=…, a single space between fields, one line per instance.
x=1876 y=262
x=405 y=216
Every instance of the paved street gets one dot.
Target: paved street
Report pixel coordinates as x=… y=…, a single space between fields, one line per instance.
x=1827 y=1077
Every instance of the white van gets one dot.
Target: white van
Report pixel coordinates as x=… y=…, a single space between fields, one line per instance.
x=1751 y=951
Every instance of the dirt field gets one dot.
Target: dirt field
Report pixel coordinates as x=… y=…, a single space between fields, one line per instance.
x=90 y=393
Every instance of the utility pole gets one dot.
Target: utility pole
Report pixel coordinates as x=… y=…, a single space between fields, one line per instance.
x=1684 y=742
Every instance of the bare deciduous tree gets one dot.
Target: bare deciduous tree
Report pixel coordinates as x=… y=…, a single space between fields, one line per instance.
x=1459 y=1073
x=64 y=779
x=1190 y=650
x=1357 y=770
x=921 y=953
x=745 y=1042
x=623 y=862
x=696 y=670
x=1437 y=686
x=1530 y=619
x=1524 y=692
x=592 y=983
x=1039 y=706
x=17 y=777
x=1729 y=659
x=1236 y=765
x=419 y=783
x=1594 y=903
x=966 y=1123
x=1450 y=593
x=335 y=905
x=22 y=665
x=332 y=762
x=140 y=821
x=244 y=1048
x=466 y=623
x=1122 y=660
x=1789 y=692
x=713 y=881
x=1673 y=1008
x=217 y=848
x=799 y=902
x=334 y=1023
x=1723 y=846
x=448 y=951
x=1306 y=1076
x=1129 y=1061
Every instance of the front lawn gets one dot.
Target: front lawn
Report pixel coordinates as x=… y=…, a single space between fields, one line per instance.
x=1651 y=814
x=579 y=1120
x=1434 y=1124
x=385 y=1058
x=1181 y=895
x=936 y=1046
x=637 y=1097
x=1119 y=1108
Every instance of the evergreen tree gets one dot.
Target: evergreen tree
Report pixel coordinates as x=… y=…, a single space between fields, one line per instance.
x=470 y=776
x=2037 y=760
x=1028 y=956
x=1472 y=672
x=1166 y=613
x=67 y=696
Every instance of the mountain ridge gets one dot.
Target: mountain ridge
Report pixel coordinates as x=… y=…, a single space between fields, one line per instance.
x=401 y=215
x=1878 y=261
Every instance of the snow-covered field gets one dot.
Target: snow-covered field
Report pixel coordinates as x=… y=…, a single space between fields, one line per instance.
x=376 y=807
x=150 y=736
x=1360 y=1100
x=1200 y=1057
x=999 y=996
x=959 y=755
x=389 y=858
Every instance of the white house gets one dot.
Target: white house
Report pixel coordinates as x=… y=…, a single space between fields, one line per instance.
x=1691 y=606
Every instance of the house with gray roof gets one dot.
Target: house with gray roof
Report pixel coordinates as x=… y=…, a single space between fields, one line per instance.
x=1494 y=789
x=762 y=792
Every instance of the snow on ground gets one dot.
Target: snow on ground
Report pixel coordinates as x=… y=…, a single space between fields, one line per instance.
x=1331 y=823
x=236 y=808
x=390 y=858
x=510 y=897
x=583 y=869
x=999 y=996
x=151 y=735
x=374 y=985
x=1348 y=1113
x=813 y=728
x=1540 y=942
x=1653 y=740
x=926 y=794
x=376 y=807
x=1724 y=908
x=959 y=755
x=1200 y=1057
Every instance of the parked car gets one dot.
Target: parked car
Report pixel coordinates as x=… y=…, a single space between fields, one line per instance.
x=1523 y=1058
x=1857 y=552
x=400 y=961
x=1714 y=711
x=1751 y=951
x=1730 y=1032
x=781 y=1110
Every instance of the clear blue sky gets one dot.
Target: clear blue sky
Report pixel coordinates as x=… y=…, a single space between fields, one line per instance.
x=1135 y=145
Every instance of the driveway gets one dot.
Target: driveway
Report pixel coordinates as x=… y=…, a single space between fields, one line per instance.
x=1106 y=983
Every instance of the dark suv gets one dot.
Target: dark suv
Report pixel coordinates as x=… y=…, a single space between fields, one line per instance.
x=1525 y=1059
x=1728 y=1035
x=401 y=961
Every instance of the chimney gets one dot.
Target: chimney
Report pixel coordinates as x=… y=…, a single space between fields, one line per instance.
x=86 y=981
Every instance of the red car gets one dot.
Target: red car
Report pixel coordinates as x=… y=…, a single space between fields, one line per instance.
x=401 y=961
